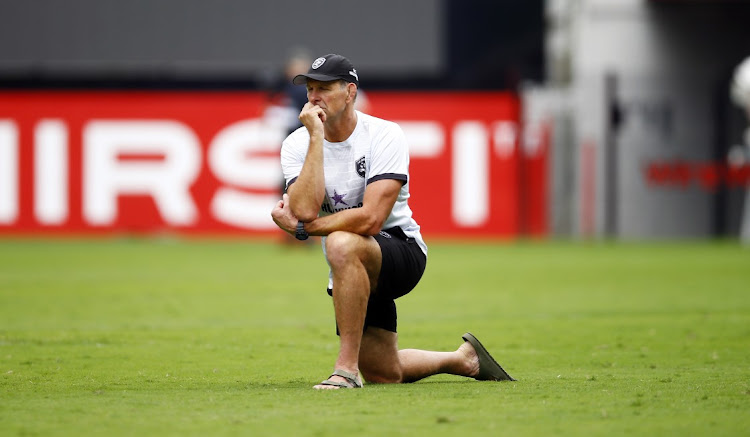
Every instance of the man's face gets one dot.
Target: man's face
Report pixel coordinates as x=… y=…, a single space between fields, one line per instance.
x=330 y=96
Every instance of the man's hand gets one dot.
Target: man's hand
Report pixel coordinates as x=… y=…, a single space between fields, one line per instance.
x=283 y=217
x=312 y=117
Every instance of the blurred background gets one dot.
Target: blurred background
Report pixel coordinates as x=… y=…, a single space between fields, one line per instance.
x=617 y=119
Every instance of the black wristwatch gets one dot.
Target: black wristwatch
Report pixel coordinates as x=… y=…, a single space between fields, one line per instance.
x=301 y=233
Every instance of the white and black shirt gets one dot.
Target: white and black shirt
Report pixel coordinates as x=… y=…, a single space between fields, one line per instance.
x=377 y=149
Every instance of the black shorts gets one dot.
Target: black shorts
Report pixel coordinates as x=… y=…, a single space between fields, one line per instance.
x=401 y=269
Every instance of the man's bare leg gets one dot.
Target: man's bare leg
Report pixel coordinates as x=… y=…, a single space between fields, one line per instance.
x=418 y=364
x=354 y=261
x=382 y=362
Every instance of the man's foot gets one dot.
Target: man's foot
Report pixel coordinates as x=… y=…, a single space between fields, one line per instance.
x=340 y=379
x=471 y=361
x=488 y=368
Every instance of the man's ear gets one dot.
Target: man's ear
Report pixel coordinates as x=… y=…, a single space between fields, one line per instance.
x=351 y=91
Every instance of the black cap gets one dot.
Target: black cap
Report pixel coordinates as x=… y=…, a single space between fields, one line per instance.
x=328 y=68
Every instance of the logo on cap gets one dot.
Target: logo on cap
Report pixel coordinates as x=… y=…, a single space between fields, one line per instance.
x=354 y=73
x=318 y=62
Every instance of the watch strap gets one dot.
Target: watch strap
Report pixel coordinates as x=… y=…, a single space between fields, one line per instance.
x=301 y=233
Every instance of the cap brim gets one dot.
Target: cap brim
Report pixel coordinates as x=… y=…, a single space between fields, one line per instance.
x=301 y=79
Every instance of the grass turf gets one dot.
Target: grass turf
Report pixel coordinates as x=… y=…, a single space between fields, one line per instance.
x=162 y=337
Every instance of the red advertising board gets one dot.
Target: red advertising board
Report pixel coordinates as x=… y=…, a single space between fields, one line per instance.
x=207 y=162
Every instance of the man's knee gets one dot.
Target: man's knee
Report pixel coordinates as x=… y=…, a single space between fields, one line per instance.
x=379 y=358
x=341 y=247
x=382 y=376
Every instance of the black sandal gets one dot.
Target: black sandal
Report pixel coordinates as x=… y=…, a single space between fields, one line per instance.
x=489 y=370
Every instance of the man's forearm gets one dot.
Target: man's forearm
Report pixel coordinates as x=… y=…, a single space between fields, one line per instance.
x=356 y=221
x=308 y=191
x=379 y=198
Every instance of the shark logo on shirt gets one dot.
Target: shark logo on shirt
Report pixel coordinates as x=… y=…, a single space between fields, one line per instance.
x=361 y=167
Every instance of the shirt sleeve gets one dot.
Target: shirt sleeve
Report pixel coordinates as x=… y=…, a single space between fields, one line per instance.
x=292 y=158
x=390 y=156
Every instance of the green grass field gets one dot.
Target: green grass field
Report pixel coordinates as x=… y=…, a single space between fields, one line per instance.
x=164 y=337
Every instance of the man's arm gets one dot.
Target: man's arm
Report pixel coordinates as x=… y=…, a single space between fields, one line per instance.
x=379 y=198
x=306 y=194
x=378 y=201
